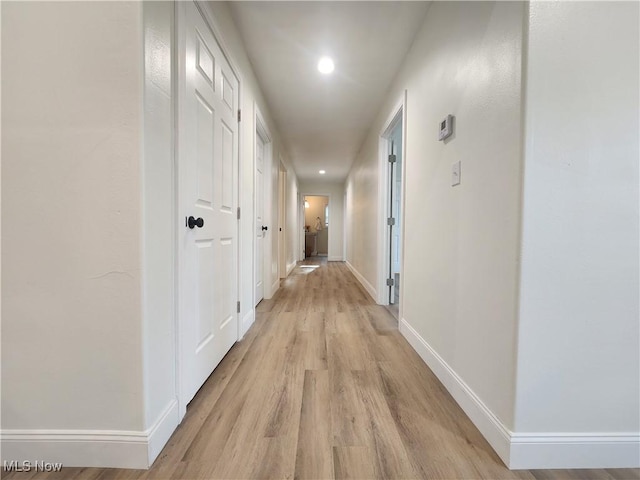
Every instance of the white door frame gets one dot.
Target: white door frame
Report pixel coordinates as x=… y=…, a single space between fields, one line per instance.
x=301 y=235
x=331 y=215
x=282 y=219
x=344 y=225
x=178 y=99
x=398 y=113
x=262 y=130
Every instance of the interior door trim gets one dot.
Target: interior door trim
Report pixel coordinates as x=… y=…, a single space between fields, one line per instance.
x=397 y=114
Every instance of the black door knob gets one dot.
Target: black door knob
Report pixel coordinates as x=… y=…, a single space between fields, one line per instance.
x=264 y=228
x=193 y=222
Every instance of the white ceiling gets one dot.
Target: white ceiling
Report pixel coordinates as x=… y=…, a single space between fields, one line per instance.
x=323 y=120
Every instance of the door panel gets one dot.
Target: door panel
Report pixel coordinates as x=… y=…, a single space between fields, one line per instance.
x=204 y=141
x=227 y=187
x=207 y=189
x=228 y=91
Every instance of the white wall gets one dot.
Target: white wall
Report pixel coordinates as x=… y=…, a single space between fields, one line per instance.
x=567 y=316
x=88 y=334
x=578 y=348
x=460 y=243
x=293 y=228
x=362 y=211
x=72 y=120
x=251 y=96
x=159 y=223
x=336 y=213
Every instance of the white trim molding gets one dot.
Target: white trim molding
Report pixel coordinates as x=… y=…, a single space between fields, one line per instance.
x=519 y=450
x=335 y=258
x=247 y=321
x=363 y=281
x=290 y=267
x=397 y=115
x=489 y=425
x=261 y=130
x=91 y=448
x=574 y=450
x=158 y=435
x=275 y=286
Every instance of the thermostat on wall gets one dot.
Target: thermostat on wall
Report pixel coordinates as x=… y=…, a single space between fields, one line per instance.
x=446 y=127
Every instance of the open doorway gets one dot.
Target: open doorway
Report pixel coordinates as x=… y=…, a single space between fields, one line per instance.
x=395 y=215
x=391 y=178
x=316 y=226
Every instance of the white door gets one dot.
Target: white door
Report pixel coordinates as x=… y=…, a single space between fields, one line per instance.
x=208 y=195
x=259 y=244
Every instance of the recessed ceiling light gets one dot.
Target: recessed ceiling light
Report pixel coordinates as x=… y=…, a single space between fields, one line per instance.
x=325 y=65
x=322 y=172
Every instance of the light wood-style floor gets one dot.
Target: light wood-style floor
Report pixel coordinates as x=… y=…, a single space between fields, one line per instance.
x=323 y=386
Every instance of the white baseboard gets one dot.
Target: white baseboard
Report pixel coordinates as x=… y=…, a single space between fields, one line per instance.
x=247 y=321
x=158 y=435
x=275 y=286
x=529 y=450
x=335 y=259
x=489 y=425
x=91 y=448
x=77 y=448
x=363 y=281
x=290 y=268
x=567 y=450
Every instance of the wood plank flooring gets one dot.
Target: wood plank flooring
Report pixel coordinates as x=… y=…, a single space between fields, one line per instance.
x=323 y=386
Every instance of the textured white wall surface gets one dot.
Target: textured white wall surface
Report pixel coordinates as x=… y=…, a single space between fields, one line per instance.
x=71 y=250
x=362 y=208
x=522 y=282
x=460 y=243
x=291 y=212
x=88 y=296
x=579 y=333
x=521 y=285
x=159 y=223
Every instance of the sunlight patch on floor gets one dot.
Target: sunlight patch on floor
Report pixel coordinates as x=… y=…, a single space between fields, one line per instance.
x=307 y=269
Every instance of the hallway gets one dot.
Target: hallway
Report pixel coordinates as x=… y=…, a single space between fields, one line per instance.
x=323 y=386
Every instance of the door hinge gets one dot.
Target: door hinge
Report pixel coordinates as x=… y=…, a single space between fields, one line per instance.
x=392 y=158
x=238 y=213
x=391 y=221
x=239 y=115
x=390 y=282
x=238 y=307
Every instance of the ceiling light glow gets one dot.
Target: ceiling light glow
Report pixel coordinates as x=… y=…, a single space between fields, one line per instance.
x=325 y=65
x=322 y=172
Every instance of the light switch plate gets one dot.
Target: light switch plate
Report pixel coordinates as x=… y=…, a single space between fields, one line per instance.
x=455 y=174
